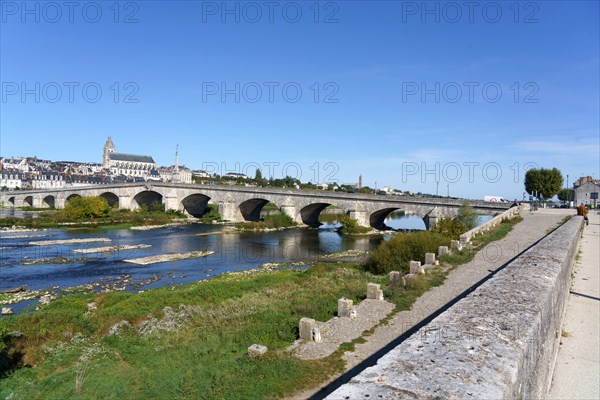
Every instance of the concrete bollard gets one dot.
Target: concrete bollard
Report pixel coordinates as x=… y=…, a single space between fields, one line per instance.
x=7 y=311
x=394 y=278
x=442 y=251
x=430 y=258
x=408 y=278
x=45 y=299
x=374 y=292
x=416 y=267
x=256 y=350
x=344 y=307
x=316 y=335
x=353 y=313
x=455 y=244
x=306 y=328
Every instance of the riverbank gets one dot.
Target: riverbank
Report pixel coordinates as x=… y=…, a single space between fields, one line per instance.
x=201 y=335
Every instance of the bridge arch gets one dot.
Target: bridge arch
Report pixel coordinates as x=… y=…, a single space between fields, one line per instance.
x=250 y=209
x=377 y=219
x=195 y=204
x=111 y=198
x=49 y=201
x=310 y=214
x=147 y=198
x=28 y=201
x=71 y=197
x=11 y=200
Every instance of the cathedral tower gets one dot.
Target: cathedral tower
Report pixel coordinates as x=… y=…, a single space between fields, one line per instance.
x=109 y=147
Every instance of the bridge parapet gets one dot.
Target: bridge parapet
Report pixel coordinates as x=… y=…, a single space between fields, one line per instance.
x=496 y=343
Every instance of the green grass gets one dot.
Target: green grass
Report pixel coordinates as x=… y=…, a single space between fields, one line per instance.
x=118 y=219
x=274 y=221
x=206 y=359
x=61 y=351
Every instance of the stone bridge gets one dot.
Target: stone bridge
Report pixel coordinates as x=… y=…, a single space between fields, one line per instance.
x=238 y=203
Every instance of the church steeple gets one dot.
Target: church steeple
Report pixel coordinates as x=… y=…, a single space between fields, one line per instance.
x=109 y=147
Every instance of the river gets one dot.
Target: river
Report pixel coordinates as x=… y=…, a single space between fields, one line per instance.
x=233 y=251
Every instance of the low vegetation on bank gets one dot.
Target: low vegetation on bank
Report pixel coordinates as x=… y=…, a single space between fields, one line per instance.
x=350 y=226
x=275 y=221
x=72 y=354
x=190 y=341
x=95 y=211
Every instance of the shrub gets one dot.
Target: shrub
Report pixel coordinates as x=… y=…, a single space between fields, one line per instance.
x=451 y=228
x=350 y=225
x=395 y=254
x=81 y=208
x=467 y=215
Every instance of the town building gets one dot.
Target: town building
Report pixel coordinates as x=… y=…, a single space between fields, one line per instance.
x=586 y=190
x=11 y=180
x=128 y=165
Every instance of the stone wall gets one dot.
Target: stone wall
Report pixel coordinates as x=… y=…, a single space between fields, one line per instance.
x=508 y=214
x=499 y=342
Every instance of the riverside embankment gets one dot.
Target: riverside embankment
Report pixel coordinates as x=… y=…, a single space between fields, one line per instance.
x=497 y=342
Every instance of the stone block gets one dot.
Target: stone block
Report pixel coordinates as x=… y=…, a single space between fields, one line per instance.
x=374 y=292
x=306 y=328
x=408 y=278
x=45 y=299
x=442 y=250
x=430 y=258
x=256 y=350
x=344 y=307
x=395 y=278
x=7 y=311
x=416 y=267
x=353 y=313
x=455 y=244
x=316 y=335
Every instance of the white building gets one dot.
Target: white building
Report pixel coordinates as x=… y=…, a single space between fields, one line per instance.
x=129 y=165
x=586 y=190
x=48 y=181
x=11 y=180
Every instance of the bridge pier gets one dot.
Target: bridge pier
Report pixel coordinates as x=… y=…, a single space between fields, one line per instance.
x=431 y=219
x=125 y=202
x=59 y=202
x=171 y=203
x=360 y=216
x=292 y=212
x=230 y=211
x=38 y=202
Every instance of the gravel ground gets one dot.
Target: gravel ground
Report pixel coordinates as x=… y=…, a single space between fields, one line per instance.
x=533 y=227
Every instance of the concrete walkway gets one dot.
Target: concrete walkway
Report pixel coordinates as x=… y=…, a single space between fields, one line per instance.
x=577 y=368
x=533 y=227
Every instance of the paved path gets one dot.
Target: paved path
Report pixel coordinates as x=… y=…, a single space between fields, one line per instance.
x=533 y=227
x=577 y=368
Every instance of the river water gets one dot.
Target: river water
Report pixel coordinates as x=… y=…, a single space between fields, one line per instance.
x=233 y=251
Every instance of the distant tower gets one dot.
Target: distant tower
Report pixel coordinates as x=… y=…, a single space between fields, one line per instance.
x=109 y=147
x=176 y=169
x=360 y=181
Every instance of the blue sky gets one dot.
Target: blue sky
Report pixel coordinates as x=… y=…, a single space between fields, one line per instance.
x=402 y=94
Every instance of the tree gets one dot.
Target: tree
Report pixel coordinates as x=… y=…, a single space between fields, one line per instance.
x=467 y=216
x=565 y=195
x=258 y=176
x=451 y=228
x=545 y=182
x=81 y=208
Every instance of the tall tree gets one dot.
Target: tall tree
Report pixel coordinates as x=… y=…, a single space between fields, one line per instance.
x=565 y=195
x=545 y=182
